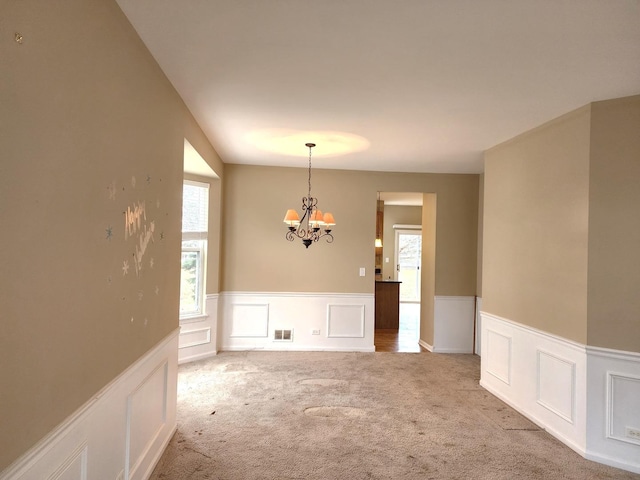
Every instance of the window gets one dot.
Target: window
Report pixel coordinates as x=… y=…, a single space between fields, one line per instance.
x=195 y=220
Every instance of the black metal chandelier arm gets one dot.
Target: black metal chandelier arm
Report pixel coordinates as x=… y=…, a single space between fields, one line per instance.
x=312 y=235
x=294 y=232
x=309 y=203
x=291 y=234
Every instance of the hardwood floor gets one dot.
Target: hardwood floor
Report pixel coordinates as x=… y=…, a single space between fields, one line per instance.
x=405 y=339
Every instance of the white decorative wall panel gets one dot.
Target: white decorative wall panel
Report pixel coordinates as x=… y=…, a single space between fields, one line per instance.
x=498 y=355
x=623 y=407
x=453 y=324
x=250 y=320
x=342 y=321
x=74 y=468
x=146 y=415
x=540 y=375
x=130 y=421
x=193 y=338
x=199 y=334
x=556 y=385
x=345 y=321
x=586 y=397
x=614 y=405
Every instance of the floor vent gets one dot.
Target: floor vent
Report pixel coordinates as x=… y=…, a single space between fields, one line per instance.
x=283 y=335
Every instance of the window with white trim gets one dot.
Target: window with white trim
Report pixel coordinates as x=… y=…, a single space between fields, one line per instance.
x=195 y=221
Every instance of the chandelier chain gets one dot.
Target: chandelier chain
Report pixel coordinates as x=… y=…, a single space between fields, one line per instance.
x=310 y=172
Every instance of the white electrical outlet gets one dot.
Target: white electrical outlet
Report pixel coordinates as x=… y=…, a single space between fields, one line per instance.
x=633 y=433
x=315 y=332
x=362 y=272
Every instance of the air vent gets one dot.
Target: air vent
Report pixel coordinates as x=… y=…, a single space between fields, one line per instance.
x=283 y=335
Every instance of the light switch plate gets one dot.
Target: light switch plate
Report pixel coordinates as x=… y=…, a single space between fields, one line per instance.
x=362 y=271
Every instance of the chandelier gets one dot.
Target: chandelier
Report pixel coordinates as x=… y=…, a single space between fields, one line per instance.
x=314 y=225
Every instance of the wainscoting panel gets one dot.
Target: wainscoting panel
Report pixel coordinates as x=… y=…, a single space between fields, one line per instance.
x=345 y=321
x=623 y=408
x=146 y=416
x=556 y=385
x=250 y=320
x=321 y=321
x=193 y=338
x=75 y=467
x=587 y=397
x=199 y=334
x=540 y=375
x=127 y=424
x=498 y=356
x=614 y=407
x=453 y=324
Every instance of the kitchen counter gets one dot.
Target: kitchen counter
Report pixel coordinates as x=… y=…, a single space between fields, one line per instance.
x=387 y=300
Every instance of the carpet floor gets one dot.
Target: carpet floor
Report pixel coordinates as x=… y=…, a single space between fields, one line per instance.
x=316 y=415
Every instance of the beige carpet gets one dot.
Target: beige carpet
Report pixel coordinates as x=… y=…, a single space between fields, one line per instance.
x=277 y=415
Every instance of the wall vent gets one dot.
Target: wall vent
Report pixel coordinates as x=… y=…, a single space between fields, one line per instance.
x=283 y=335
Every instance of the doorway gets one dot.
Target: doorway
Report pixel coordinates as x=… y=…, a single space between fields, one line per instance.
x=398 y=259
x=408 y=257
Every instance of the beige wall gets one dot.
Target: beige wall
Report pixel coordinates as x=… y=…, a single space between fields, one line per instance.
x=480 y=235
x=396 y=214
x=561 y=227
x=85 y=111
x=456 y=240
x=614 y=225
x=536 y=189
x=429 y=251
x=258 y=258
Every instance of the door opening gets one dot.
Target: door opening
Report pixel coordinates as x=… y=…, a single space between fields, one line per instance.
x=408 y=256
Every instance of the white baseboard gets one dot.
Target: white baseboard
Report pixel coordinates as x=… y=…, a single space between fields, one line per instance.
x=304 y=348
x=199 y=335
x=629 y=465
x=424 y=344
x=453 y=324
x=584 y=396
x=195 y=358
x=119 y=433
x=344 y=322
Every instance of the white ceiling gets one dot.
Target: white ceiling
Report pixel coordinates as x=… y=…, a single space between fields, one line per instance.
x=400 y=85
